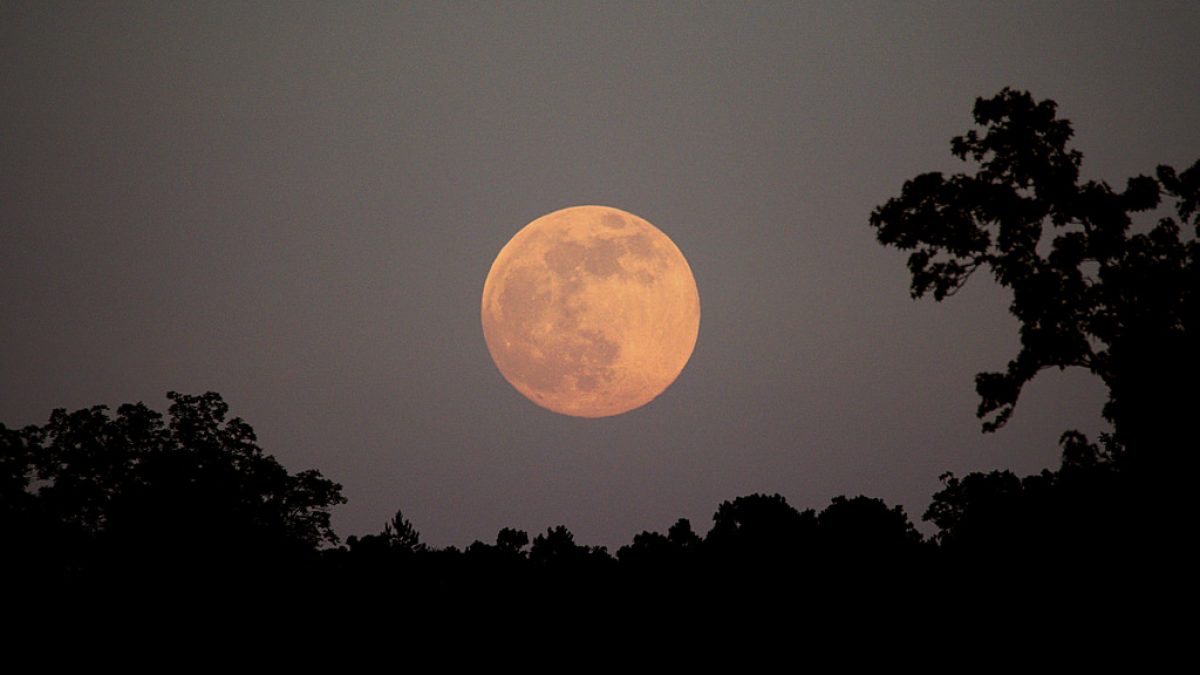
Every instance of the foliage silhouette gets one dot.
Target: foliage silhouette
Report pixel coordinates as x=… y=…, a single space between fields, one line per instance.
x=676 y=551
x=400 y=534
x=90 y=494
x=557 y=551
x=99 y=494
x=505 y=557
x=761 y=530
x=511 y=541
x=1088 y=293
x=370 y=559
x=1084 y=511
x=864 y=530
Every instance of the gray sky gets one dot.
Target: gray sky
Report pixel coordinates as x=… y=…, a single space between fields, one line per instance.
x=296 y=204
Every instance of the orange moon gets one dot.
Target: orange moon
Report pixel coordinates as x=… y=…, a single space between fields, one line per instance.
x=590 y=311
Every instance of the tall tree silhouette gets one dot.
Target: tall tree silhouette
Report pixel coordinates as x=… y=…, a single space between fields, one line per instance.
x=400 y=534
x=1087 y=291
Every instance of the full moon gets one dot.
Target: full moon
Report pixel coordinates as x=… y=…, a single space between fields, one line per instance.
x=590 y=311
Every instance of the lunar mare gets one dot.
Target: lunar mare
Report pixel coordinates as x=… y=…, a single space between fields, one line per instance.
x=590 y=311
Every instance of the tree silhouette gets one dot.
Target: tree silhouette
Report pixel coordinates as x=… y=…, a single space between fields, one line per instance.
x=507 y=555
x=557 y=551
x=97 y=492
x=761 y=531
x=511 y=541
x=865 y=530
x=1087 y=291
x=556 y=547
x=681 y=536
x=1082 y=513
x=400 y=534
x=679 y=547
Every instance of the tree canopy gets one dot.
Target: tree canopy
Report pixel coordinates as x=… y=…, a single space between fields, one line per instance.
x=91 y=490
x=1088 y=287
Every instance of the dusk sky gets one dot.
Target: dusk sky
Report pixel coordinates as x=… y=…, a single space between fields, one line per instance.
x=296 y=205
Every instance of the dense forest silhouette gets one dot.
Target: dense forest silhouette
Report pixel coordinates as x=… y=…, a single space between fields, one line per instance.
x=94 y=501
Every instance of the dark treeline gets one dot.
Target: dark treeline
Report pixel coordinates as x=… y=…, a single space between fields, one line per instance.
x=135 y=501
x=98 y=503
